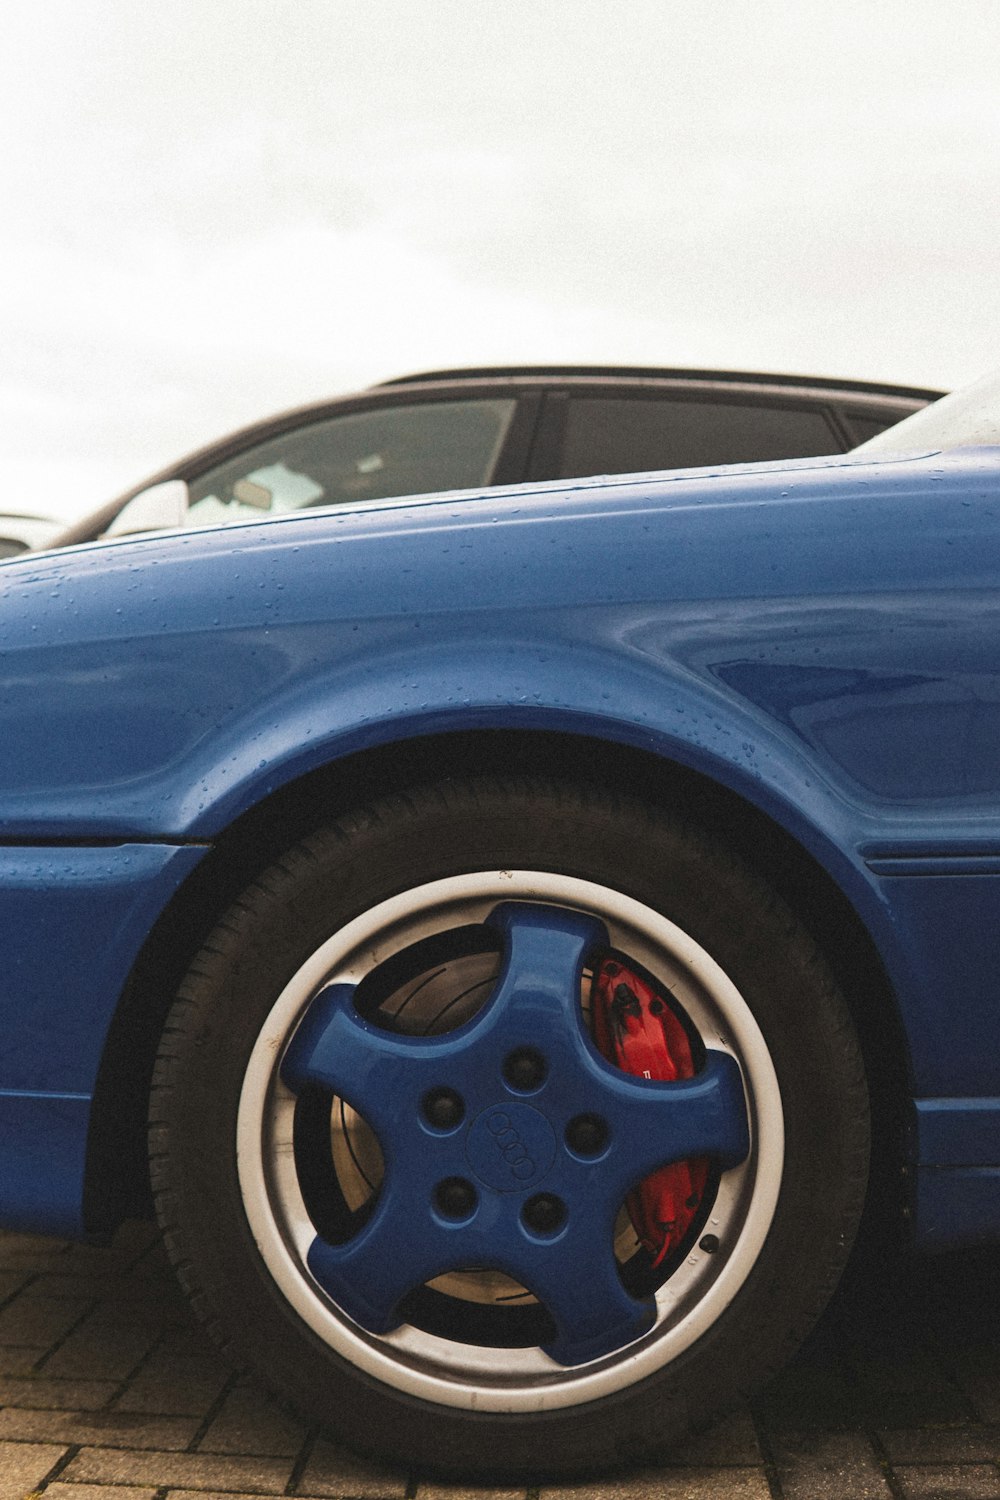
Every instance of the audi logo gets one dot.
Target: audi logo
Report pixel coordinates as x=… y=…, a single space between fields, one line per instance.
x=510 y=1145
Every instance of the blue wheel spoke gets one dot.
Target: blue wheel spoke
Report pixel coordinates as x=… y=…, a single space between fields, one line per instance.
x=578 y=1282
x=667 y=1122
x=399 y=1249
x=405 y=1245
x=538 y=993
x=380 y=1073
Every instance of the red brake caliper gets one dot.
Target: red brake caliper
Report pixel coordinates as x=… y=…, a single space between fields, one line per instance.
x=635 y=1028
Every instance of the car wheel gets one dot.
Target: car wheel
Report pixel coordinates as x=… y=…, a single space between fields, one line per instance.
x=509 y=1128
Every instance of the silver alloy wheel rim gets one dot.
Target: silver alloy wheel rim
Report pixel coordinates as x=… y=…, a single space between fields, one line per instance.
x=468 y=1376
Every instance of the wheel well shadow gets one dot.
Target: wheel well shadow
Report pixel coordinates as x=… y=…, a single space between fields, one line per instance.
x=116 y=1184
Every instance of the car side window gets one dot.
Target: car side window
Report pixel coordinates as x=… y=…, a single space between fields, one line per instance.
x=363 y=455
x=621 y=435
x=864 y=428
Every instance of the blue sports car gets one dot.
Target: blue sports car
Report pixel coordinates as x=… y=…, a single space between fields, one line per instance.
x=516 y=939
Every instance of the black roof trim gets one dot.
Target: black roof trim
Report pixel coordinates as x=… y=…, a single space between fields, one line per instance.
x=649 y=372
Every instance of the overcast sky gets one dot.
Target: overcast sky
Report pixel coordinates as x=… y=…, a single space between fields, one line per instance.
x=213 y=209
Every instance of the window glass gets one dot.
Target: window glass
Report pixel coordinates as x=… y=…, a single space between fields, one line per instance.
x=868 y=427
x=623 y=435
x=368 y=455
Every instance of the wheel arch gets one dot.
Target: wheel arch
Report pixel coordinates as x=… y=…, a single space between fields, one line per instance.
x=116 y=1175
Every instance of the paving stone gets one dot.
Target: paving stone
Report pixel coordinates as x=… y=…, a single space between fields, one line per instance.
x=197 y=1471
x=17 y=1362
x=942 y=1445
x=441 y=1491
x=175 y=1385
x=150 y=1312
x=730 y=1441
x=974 y=1359
x=906 y=1388
x=29 y=1251
x=333 y=1473
x=189 y=1341
x=200 y=1495
x=23 y=1466
x=249 y=1422
x=85 y=1287
x=143 y=1283
x=197 y=1495
x=39 y=1394
x=11 y=1282
x=977 y=1374
x=906 y=1409
x=60 y=1491
x=829 y=1466
x=957 y=1482
x=135 y=1238
x=913 y=1370
x=108 y=1352
x=183 y=1387
x=667 y=1484
x=114 y=1429
x=134 y=1380
x=984 y=1394
x=798 y=1400
x=39 y=1321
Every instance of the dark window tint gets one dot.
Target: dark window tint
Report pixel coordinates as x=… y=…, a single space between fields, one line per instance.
x=864 y=428
x=621 y=436
x=368 y=455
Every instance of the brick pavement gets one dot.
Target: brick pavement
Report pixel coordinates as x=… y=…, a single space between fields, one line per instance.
x=109 y=1392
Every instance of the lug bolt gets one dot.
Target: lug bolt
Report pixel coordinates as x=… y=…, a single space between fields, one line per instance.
x=587 y=1135
x=443 y=1109
x=455 y=1198
x=544 y=1213
x=524 y=1069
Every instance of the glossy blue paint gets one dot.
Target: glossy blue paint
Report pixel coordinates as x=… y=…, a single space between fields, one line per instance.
x=72 y=924
x=958 y=1132
x=44 y=1142
x=957 y=1207
x=511 y=1143
x=737 y=635
x=820 y=638
x=945 y=961
x=73 y=921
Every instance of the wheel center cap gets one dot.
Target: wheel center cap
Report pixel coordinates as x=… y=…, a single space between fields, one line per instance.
x=510 y=1147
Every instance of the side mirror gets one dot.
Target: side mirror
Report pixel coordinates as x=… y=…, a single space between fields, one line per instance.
x=160 y=508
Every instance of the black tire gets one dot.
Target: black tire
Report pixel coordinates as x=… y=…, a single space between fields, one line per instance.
x=674 y=900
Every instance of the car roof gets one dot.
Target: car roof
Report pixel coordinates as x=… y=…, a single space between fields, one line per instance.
x=633 y=373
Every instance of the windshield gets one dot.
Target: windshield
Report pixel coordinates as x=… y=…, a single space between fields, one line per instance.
x=969 y=418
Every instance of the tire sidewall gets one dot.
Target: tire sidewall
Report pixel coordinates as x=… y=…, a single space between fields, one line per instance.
x=339 y=873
